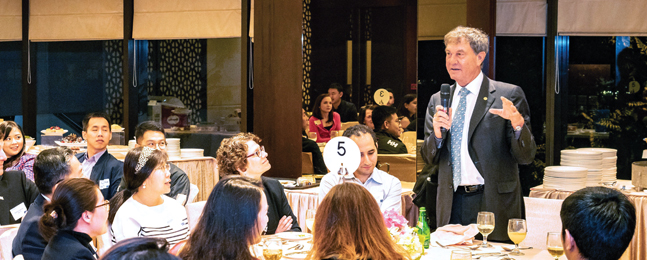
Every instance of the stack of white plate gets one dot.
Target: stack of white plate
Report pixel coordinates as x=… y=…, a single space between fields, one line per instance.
x=565 y=178
x=192 y=153
x=609 y=162
x=591 y=160
x=173 y=148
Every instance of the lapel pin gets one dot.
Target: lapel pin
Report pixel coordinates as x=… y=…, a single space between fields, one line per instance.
x=484 y=98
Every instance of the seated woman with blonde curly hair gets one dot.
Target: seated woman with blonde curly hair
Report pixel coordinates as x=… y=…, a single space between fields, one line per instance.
x=349 y=225
x=242 y=155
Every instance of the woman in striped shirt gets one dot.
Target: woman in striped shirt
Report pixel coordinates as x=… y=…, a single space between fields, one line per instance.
x=142 y=209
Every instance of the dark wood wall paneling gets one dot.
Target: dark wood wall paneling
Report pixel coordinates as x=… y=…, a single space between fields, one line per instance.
x=277 y=83
x=131 y=105
x=28 y=77
x=485 y=21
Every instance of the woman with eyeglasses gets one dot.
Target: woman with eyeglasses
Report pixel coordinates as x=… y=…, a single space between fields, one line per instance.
x=76 y=215
x=242 y=155
x=14 y=148
x=142 y=209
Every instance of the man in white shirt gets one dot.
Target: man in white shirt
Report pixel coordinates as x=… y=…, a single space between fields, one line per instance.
x=385 y=188
x=479 y=143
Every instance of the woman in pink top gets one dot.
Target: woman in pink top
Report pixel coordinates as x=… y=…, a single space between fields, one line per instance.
x=323 y=120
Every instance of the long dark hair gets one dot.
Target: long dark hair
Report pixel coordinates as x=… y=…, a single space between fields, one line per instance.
x=316 y=111
x=228 y=225
x=71 y=198
x=5 y=128
x=362 y=112
x=403 y=111
x=349 y=225
x=140 y=248
x=135 y=179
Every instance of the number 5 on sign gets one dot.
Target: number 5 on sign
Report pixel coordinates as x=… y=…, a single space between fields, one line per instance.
x=342 y=153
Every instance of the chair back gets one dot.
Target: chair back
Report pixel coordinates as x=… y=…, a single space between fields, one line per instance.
x=193 y=193
x=542 y=216
x=402 y=166
x=409 y=140
x=194 y=212
x=6 y=240
x=346 y=125
x=306 y=163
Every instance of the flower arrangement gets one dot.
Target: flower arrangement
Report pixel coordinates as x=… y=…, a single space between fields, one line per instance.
x=402 y=234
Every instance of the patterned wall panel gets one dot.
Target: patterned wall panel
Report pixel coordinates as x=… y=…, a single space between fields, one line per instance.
x=178 y=68
x=307 y=50
x=367 y=98
x=114 y=103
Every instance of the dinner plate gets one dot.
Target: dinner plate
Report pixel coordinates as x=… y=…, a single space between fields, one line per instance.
x=45 y=133
x=291 y=236
x=71 y=144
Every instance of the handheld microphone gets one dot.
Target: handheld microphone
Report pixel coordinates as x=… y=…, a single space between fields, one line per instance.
x=444 y=101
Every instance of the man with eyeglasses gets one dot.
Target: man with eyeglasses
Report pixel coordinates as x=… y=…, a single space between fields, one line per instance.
x=387 y=130
x=51 y=167
x=151 y=134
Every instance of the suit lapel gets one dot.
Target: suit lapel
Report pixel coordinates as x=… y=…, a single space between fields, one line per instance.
x=97 y=170
x=484 y=101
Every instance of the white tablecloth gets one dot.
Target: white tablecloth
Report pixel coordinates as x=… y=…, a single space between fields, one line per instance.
x=302 y=200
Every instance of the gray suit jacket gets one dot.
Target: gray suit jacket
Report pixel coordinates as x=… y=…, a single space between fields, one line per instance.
x=495 y=151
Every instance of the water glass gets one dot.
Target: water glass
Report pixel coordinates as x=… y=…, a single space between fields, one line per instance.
x=554 y=245
x=517 y=232
x=273 y=249
x=485 y=223
x=310 y=219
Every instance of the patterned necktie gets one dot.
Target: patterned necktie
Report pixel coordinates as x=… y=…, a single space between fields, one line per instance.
x=457 y=136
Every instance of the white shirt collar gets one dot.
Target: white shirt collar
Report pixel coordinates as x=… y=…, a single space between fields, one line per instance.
x=474 y=86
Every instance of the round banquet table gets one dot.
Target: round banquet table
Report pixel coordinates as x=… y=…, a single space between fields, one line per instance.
x=302 y=200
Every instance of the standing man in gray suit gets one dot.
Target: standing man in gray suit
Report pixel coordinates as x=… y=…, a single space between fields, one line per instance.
x=480 y=141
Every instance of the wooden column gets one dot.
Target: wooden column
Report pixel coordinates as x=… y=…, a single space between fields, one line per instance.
x=130 y=93
x=29 y=101
x=553 y=101
x=277 y=83
x=482 y=14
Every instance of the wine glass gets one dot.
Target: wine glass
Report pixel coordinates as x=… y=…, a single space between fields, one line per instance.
x=485 y=224
x=273 y=249
x=461 y=255
x=334 y=134
x=554 y=245
x=312 y=136
x=310 y=219
x=517 y=233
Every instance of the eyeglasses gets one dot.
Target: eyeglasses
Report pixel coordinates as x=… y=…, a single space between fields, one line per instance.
x=105 y=204
x=160 y=145
x=258 y=152
x=165 y=167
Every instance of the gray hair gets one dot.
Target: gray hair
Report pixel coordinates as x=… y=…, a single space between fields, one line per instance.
x=477 y=39
x=359 y=130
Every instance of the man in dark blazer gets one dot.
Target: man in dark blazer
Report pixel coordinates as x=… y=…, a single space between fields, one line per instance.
x=98 y=165
x=487 y=136
x=51 y=167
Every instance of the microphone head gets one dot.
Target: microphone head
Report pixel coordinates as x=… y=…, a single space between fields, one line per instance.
x=444 y=90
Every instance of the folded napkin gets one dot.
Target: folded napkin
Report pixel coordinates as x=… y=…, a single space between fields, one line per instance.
x=454 y=234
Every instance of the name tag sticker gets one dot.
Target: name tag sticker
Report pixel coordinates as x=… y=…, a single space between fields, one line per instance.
x=103 y=184
x=19 y=211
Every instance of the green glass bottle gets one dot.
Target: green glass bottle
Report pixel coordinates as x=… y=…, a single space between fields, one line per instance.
x=423 y=228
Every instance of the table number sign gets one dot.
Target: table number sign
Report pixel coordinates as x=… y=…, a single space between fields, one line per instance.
x=341 y=155
x=381 y=97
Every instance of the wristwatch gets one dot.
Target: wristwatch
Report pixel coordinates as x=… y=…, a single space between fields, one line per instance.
x=517 y=128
